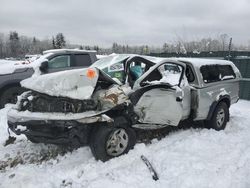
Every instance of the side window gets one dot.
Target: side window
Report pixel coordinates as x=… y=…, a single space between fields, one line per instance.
x=171 y=73
x=215 y=73
x=166 y=73
x=136 y=70
x=83 y=60
x=62 y=61
x=226 y=72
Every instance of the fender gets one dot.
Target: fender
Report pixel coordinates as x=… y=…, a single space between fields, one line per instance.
x=224 y=98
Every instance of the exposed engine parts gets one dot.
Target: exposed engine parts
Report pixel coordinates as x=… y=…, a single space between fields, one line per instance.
x=37 y=102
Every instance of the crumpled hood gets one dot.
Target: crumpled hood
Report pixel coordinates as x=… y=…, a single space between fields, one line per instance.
x=74 y=84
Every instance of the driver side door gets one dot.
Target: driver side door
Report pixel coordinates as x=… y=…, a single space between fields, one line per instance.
x=158 y=96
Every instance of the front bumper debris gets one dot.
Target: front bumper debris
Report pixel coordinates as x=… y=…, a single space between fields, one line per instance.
x=53 y=132
x=85 y=117
x=55 y=128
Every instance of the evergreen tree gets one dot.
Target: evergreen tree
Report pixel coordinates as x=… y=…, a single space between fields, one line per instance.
x=165 y=48
x=60 y=41
x=34 y=41
x=53 y=43
x=146 y=49
x=123 y=49
x=14 y=43
x=87 y=48
x=96 y=48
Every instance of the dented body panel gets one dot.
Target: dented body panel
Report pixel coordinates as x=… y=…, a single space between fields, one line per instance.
x=205 y=94
x=151 y=93
x=150 y=107
x=208 y=95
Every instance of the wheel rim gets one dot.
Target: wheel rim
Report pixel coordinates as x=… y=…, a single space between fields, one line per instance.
x=117 y=142
x=220 y=118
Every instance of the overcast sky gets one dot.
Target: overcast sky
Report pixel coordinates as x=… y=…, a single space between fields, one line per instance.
x=133 y=22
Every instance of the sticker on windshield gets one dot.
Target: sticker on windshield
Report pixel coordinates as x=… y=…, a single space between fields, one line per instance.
x=116 y=67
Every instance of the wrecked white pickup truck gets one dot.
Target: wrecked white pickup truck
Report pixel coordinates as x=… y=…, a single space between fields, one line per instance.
x=103 y=105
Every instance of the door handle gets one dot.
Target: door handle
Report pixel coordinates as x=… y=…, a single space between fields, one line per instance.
x=179 y=99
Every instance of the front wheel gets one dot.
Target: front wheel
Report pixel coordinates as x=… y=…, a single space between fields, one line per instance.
x=219 y=118
x=108 y=142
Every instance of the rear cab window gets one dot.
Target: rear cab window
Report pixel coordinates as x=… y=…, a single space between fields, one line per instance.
x=82 y=60
x=215 y=73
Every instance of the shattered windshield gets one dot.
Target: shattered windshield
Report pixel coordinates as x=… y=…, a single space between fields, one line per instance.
x=113 y=65
x=110 y=61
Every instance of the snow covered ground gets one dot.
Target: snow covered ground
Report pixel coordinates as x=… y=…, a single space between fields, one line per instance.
x=185 y=158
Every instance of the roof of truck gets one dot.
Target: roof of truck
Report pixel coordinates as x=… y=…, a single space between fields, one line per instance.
x=198 y=62
x=68 y=51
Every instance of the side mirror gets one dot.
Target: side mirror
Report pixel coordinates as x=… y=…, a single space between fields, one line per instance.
x=44 y=66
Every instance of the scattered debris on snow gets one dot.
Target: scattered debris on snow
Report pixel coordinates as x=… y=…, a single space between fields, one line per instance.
x=150 y=168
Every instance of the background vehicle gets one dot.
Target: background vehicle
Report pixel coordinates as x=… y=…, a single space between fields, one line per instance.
x=51 y=61
x=153 y=94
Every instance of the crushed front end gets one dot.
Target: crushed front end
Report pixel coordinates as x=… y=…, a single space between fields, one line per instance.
x=50 y=119
x=65 y=120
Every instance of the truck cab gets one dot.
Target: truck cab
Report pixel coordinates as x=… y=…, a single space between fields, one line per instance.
x=51 y=61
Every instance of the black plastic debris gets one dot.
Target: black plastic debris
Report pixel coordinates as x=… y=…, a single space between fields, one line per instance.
x=10 y=140
x=150 y=167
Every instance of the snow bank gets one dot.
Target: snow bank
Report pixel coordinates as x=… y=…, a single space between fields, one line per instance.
x=183 y=159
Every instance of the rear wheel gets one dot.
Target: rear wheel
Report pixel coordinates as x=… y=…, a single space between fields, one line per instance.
x=108 y=142
x=219 y=118
x=9 y=95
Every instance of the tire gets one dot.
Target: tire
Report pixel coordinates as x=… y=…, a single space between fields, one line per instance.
x=219 y=118
x=104 y=139
x=9 y=95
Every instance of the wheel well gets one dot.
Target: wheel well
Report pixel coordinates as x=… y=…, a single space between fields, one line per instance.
x=225 y=99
